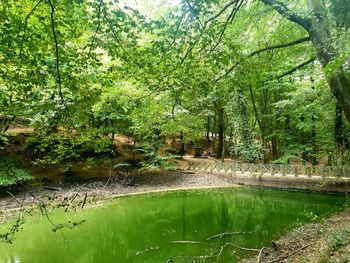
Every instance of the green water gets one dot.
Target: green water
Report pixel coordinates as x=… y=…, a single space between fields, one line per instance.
x=141 y=228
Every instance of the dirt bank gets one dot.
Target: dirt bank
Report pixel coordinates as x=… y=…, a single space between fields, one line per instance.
x=323 y=242
x=101 y=188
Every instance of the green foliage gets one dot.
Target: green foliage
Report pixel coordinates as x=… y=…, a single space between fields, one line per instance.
x=152 y=160
x=3 y=140
x=154 y=73
x=8 y=236
x=70 y=224
x=248 y=153
x=338 y=239
x=11 y=172
x=63 y=148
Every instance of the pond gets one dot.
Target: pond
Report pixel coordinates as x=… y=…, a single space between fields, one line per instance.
x=146 y=228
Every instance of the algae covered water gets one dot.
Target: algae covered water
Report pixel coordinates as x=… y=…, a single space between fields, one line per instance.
x=169 y=227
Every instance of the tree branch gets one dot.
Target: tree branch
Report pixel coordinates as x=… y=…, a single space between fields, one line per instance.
x=296 y=68
x=228 y=20
x=295 y=42
x=59 y=82
x=202 y=30
x=196 y=15
x=221 y=11
x=283 y=10
x=25 y=29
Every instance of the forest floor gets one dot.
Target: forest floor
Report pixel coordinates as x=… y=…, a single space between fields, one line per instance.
x=326 y=241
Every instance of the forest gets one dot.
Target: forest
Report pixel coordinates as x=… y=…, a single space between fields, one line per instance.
x=269 y=80
x=137 y=85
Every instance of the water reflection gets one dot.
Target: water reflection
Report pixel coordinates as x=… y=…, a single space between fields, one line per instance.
x=142 y=228
x=15 y=259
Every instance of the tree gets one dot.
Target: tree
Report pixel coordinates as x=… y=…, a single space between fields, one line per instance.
x=325 y=37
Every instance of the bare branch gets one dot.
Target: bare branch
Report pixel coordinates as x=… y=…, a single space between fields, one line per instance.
x=292 y=253
x=227 y=72
x=260 y=254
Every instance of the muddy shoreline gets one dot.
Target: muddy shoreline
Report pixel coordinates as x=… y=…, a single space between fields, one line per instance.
x=109 y=187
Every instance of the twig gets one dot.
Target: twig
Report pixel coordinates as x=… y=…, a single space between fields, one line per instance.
x=221 y=11
x=242 y=248
x=84 y=201
x=232 y=245
x=260 y=254
x=186 y=242
x=221 y=235
x=59 y=82
x=292 y=253
x=19 y=202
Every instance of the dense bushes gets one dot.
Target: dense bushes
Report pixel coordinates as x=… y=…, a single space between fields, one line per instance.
x=11 y=172
x=64 y=148
x=249 y=153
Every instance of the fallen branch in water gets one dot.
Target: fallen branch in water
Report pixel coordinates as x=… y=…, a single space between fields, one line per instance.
x=235 y=246
x=185 y=242
x=242 y=248
x=199 y=257
x=221 y=235
x=292 y=253
x=191 y=242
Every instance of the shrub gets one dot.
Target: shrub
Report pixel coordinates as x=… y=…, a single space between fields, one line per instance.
x=152 y=160
x=339 y=239
x=11 y=173
x=63 y=148
x=247 y=152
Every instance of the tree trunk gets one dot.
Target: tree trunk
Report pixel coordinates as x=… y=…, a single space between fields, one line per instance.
x=208 y=129
x=274 y=148
x=221 y=128
x=182 y=144
x=314 y=160
x=262 y=130
x=320 y=37
x=318 y=29
x=338 y=128
x=314 y=142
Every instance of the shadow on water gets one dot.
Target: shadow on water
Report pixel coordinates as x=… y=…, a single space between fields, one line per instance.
x=144 y=228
